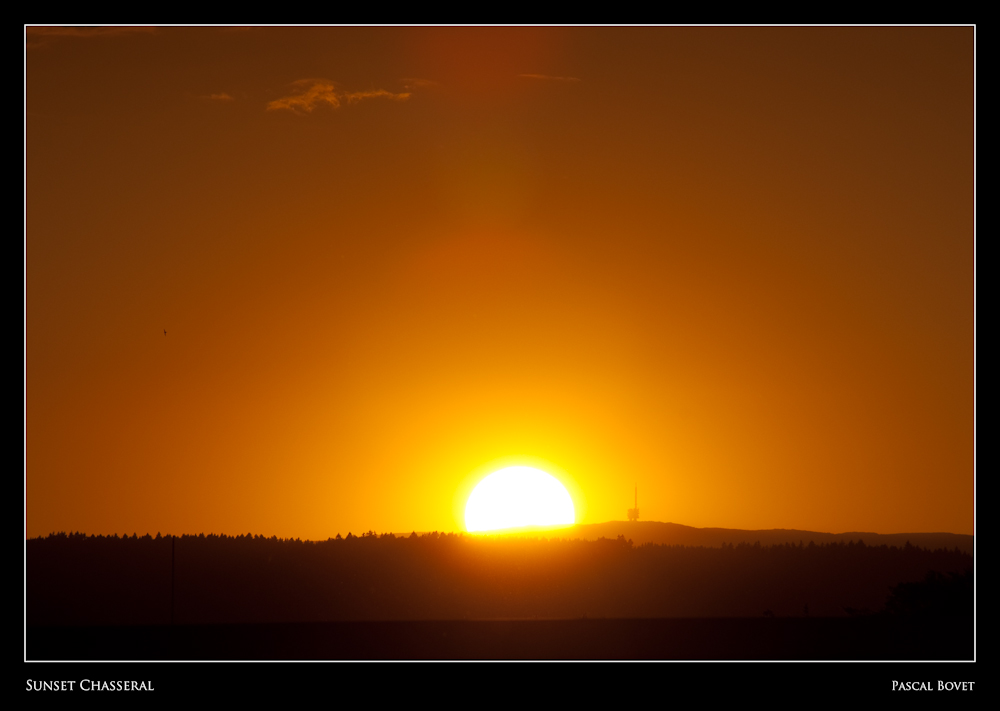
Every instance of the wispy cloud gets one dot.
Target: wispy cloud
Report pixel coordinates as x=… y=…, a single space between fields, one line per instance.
x=220 y=97
x=356 y=96
x=309 y=93
x=411 y=83
x=546 y=77
x=39 y=36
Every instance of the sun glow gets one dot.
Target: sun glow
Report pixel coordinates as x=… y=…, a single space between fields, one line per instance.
x=516 y=497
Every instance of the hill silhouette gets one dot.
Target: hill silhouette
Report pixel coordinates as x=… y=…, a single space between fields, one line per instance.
x=675 y=534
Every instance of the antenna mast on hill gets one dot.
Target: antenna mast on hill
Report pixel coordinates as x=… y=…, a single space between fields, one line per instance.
x=633 y=514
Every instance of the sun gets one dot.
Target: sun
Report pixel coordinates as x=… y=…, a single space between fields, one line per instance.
x=516 y=497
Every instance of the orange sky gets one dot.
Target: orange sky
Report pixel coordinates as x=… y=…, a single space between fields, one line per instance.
x=734 y=266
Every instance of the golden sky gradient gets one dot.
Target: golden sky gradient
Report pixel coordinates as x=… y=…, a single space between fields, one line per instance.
x=732 y=266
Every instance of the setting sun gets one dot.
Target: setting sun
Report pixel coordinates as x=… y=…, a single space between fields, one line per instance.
x=516 y=497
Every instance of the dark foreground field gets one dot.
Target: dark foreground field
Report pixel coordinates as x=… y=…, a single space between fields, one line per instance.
x=210 y=580
x=457 y=597
x=862 y=638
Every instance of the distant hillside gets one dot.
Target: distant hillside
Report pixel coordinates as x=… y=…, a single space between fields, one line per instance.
x=675 y=534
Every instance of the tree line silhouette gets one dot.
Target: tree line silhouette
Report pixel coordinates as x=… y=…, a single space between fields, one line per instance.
x=75 y=579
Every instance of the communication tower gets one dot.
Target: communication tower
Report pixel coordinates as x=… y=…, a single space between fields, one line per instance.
x=633 y=514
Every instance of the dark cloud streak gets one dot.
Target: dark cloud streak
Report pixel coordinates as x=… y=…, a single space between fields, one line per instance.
x=546 y=77
x=35 y=36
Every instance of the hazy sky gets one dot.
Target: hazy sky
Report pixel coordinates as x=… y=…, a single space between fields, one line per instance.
x=732 y=266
